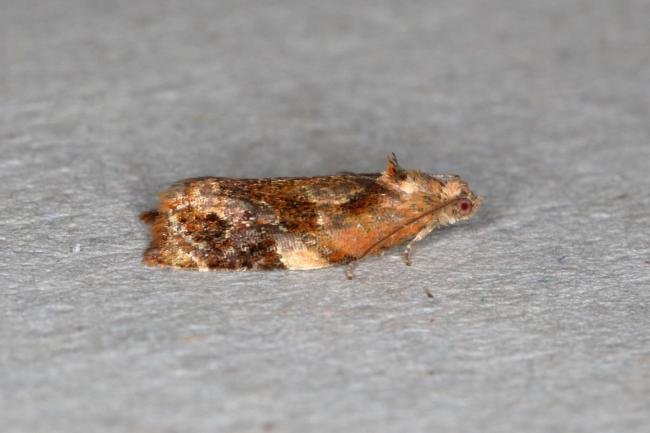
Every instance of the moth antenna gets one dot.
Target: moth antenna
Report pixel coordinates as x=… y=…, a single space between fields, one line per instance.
x=397 y=230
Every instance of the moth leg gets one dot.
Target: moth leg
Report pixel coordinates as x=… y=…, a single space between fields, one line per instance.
x=349 y=271
x=431 y=225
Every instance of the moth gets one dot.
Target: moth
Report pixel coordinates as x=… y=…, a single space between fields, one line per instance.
x=301 y=222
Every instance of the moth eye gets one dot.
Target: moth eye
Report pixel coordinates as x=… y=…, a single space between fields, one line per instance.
x=465 y=206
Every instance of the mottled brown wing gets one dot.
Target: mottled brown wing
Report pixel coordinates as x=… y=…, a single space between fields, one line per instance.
x=199 y=226
x=213 y=223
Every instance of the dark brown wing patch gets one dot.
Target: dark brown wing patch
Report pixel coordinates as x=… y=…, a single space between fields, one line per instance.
x=210 y=234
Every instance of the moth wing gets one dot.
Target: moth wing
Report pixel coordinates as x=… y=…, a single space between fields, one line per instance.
x=198 y=225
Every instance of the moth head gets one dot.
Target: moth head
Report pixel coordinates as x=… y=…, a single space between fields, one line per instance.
x=463 y=202
x=451 y=189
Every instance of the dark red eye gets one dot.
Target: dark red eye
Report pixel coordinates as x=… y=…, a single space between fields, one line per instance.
x=465 y=206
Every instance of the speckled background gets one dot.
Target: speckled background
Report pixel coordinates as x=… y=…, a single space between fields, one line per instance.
x=539 y=320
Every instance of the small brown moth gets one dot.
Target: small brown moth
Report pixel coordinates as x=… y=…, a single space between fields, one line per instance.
x=301 y=222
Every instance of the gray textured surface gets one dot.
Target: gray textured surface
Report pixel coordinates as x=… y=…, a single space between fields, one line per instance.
x=539 y=319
